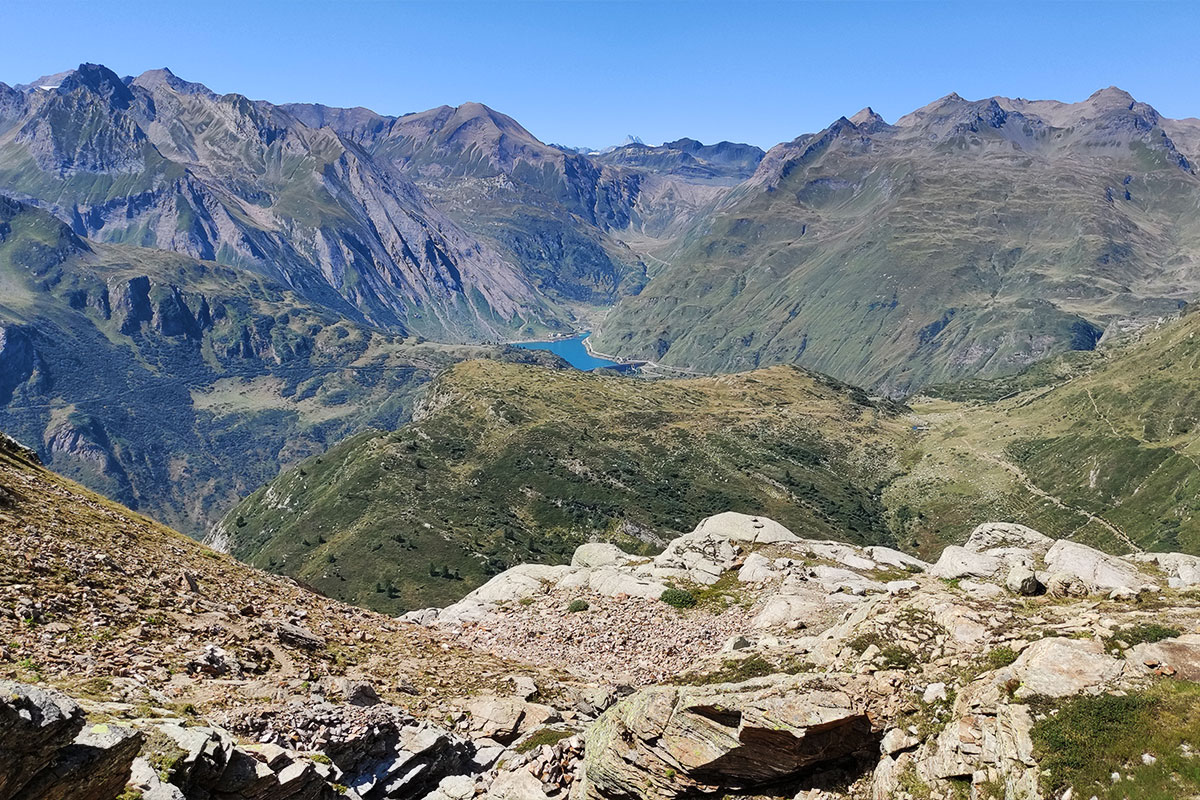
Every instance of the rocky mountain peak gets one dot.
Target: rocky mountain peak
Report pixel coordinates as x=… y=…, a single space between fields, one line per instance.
x=867 y=118
x=154 y=78
x=100 y=80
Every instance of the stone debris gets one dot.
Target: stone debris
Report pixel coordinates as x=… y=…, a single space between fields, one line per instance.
x=848 y=672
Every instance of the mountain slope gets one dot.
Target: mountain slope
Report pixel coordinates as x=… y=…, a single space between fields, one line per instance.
x=1102 y=450
x=579 y=224
x=177 y=386
x=506 y=463
x=970 y=238
x=161 y=162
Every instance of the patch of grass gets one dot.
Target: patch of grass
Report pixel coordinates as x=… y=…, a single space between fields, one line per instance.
x=550 y=736
x=733 y=671
x=678 y=598
x=1081 y=741
x=910 y=782
x=720 y=595
x=577 y=606
x=738 y=670
x=860 y=643
x=1140 y=633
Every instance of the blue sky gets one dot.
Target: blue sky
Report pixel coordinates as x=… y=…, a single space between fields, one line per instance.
x=587 y=73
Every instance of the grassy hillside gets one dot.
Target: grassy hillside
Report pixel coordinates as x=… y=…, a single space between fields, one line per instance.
x=508 y=463
x=1103 y=450
x=178 y=386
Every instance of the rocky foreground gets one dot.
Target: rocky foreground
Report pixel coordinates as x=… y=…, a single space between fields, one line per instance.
x=743 y=660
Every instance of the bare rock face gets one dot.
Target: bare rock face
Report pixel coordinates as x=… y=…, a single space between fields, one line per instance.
x=48 y=751
x=990 y=535
x=1059 y=667
x=667 y=741
x=1093 y=567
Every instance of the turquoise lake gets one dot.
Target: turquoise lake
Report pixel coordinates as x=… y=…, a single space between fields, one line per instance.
x=574 y=353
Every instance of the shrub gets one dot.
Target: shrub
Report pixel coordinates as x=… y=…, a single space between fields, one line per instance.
x=679 y=598
x=578 y=605
x=896 y=657
x=1001 y=657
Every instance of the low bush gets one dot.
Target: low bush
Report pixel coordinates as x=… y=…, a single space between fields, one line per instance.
x=679 y=598
x=1000 y=657
x=578 y=605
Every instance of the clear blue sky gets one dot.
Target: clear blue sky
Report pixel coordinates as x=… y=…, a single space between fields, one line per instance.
x=587 y=73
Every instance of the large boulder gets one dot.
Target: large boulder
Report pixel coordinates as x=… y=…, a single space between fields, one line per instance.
x=800 y=611
x=959 y=562
x=736 y=527
x=1059 y=667
x=503 y=719
x=600 y=554
x=669 y=741
x=1092 y=567
x=894 y=558
x=1179 y=656
x=1022 y=580
x=1182 y=570
x=991 y=535
x=512 y=585
x=713 y=548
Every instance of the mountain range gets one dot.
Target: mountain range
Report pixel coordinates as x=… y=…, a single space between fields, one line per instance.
x=967 y=240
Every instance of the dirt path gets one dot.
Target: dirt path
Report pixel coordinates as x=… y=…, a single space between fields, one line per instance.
x=1020 y=475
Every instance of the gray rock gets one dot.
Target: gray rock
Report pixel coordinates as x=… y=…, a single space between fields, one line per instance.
x=47 y=749
x=599 y=554
x=1092 y=567
x=1060 y=667
x=297 y=636
x=668 y=741
x=959 y=562
x=1022 y=580
x=1182 y=570
x=1178 y=656
x=991 y=535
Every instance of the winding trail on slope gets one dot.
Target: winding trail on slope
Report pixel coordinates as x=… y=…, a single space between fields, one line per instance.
x=1040 y=492
x=1100 y=414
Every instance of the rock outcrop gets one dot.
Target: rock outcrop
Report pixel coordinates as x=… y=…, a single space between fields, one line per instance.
x=48 y=750
x=671 y=742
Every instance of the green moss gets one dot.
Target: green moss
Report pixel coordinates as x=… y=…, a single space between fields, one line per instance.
x=577 y=606
x=544 y=736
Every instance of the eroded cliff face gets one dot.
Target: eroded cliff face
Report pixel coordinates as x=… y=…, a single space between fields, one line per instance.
x=159 y=162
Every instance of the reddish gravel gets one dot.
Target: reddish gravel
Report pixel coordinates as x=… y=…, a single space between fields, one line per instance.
x=618 y=640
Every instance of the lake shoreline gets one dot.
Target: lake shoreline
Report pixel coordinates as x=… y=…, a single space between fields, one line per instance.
x=577 y=352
